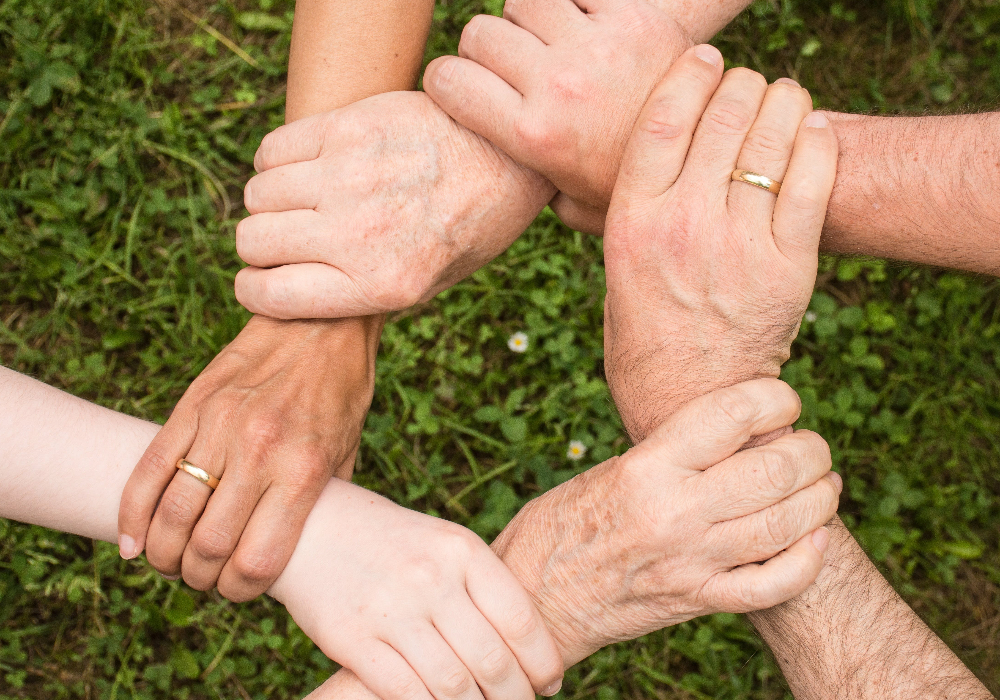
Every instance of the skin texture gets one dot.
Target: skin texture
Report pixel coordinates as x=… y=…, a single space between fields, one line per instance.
x=346 y=201
x=561 y=545
x=232 y=421
x=849 y=635
x=912 y=189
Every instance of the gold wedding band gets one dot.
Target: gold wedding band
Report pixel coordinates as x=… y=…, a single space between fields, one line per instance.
x=198 y=473
x=761 y=181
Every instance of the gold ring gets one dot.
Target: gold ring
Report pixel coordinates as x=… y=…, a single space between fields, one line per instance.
x=198 y=473
x=761 y=181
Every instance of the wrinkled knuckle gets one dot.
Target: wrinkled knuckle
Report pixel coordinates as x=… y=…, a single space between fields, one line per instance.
x=521 y=624
x=801 y=200
x=211 y=544
x=538 y=136
x=262 y=158
x=455 y=681
x=497 y=666
x=662 y=122
x=779 y=469
x=472 y=28
x=734 y=409
x=729 y=117
x=179 y=510
x=256 y=567
x=747 y=75
x=780 y=529
x=404 y=687
x=262 y=431
x=152 y=465
x=276 y=293
x=766 y=141
x=568 y=85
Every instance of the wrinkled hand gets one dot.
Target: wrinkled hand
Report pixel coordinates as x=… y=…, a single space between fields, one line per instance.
x=275 y=415
x=418 y=607
x=374 y=208
x=558 y=86
x=674 y=528
x=707 y=278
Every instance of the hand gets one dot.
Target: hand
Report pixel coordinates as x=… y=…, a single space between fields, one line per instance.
x=374 y=208
x=673 y=529
x=707 y=278
x=275 y=416
x=558 y=86
x=416 y=606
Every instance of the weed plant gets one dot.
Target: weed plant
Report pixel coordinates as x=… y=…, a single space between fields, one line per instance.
x=127 y=129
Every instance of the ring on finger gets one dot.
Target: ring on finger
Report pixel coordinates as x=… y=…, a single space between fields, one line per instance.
x=757 y=180
x=198 y=473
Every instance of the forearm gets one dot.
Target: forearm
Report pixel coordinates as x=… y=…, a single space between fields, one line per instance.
x=918 y=189
x=699 y=19
x=851 y=636
x=346 y=51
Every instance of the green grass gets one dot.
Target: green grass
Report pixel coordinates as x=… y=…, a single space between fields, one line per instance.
x=126 y=132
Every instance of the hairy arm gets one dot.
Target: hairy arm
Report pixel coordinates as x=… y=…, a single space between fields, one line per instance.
x=851 y=636
x=919 y=189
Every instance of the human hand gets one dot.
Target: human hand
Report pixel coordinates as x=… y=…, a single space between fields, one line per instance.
x=275 y=415
x=374 y=208
x=675 y=527
x=558 y=87
x=414 y=605
x=707 y=278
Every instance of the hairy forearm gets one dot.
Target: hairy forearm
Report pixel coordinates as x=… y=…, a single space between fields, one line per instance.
x=850 y=636
x=918 y=189
x=344 y=51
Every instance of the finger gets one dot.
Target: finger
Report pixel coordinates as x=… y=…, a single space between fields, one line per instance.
x=434 y=661
x=763 y=534
x=662 y=135
x=481 y=101
x=150 y=478
x=308 y=290
x=579 y=217
x=759 y=586
x=218 y=530
x=271 y=534
x=549 y=20
x=493 y=666
x=285 y=188
x=724 y=126
x=385 y=672
x=271 y=239
x=300 y=141
x=800 y=210
x=506 y=605
x=503 y=48
x=713 y=427
x=182 y=504
x=768 y=147
x=752 y=480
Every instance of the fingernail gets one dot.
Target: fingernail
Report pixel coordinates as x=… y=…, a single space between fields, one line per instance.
x=816 y=120
x=787 y=81
x=837 y=480
x=821 y=539
x=553 y=689
x=126 y=547
x=708 y=53
x=171 y=578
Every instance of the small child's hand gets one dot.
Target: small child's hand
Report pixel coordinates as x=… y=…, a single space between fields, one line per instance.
x=415 y=606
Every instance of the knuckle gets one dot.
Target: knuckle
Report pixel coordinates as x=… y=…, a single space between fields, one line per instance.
x=256 y=567
x=212 y=544
x=521 y=624
x=766 y=140
x=455 y=681
x=497 y=666
x=472 y=29
x=262 y=158
x=538 y=136
x=404 y=686
x=152 y=465
x=179 y=509
x=275 y=292
x=734 y=409
x=729 y=117
x=262 y=431
x=662 y=121
x=779 y=526
x=747 y=75
x=568 y=85
x=778 y=469
x=802 y=199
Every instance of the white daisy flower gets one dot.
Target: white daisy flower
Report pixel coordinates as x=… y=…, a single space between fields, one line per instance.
x=810 y=316
x=518 y=342
x=576 y=450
